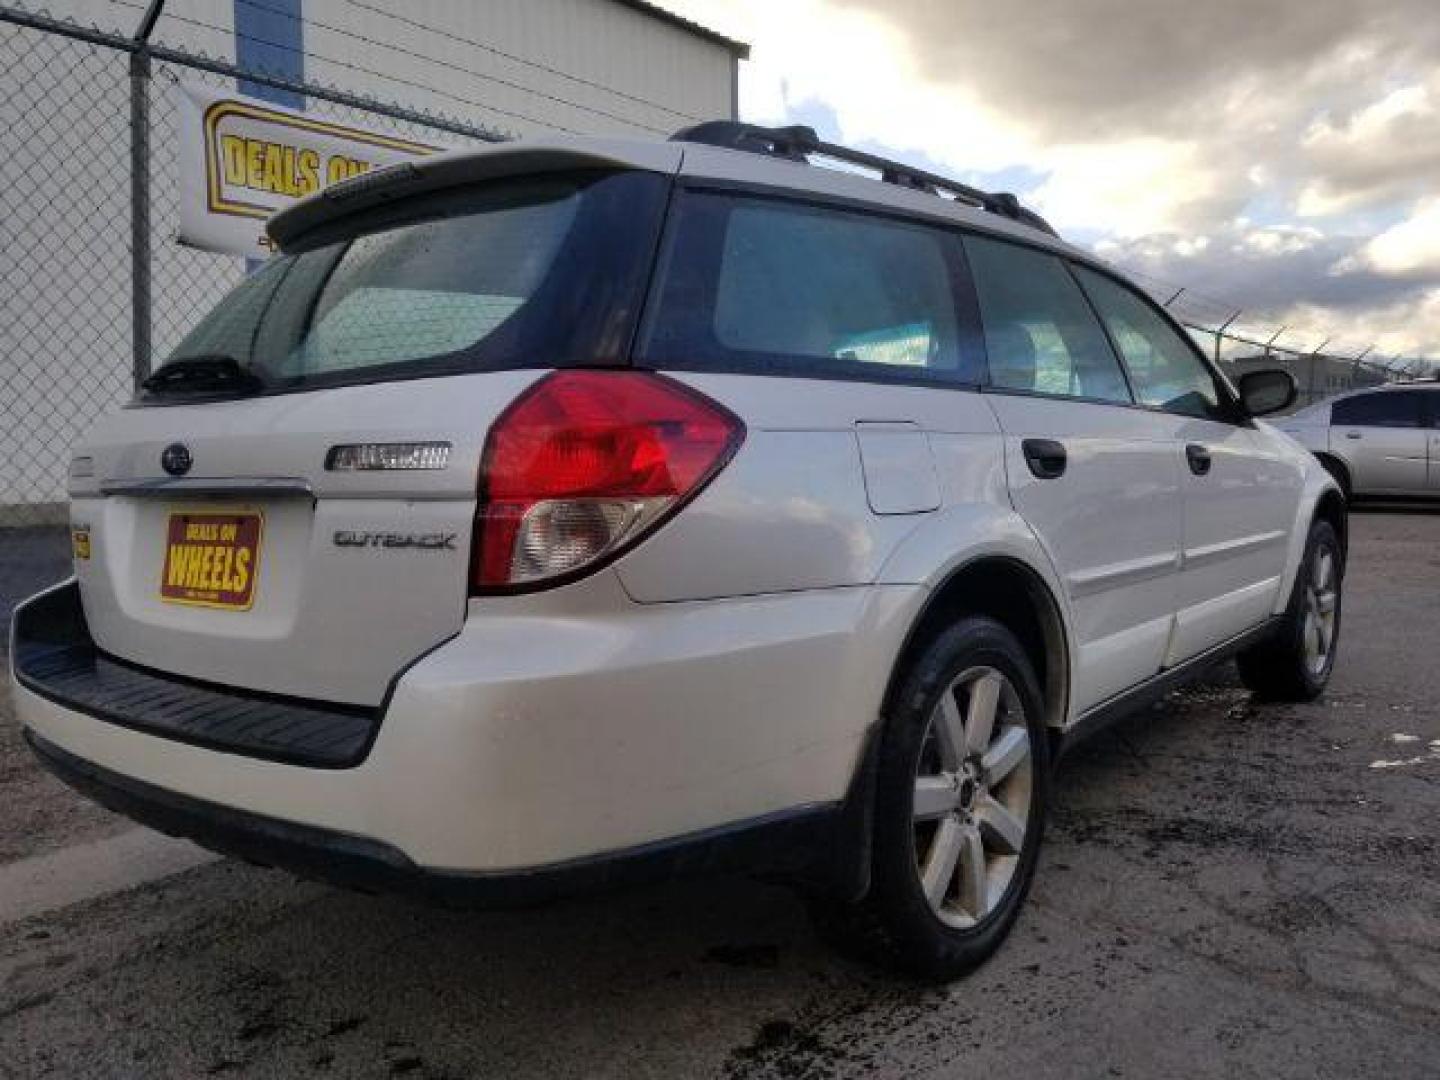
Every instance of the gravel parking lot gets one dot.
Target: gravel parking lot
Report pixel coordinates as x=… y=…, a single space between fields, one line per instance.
x=1227 y=890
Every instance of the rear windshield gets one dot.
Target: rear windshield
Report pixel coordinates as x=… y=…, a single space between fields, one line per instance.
x=534 y=272
x=752 y=284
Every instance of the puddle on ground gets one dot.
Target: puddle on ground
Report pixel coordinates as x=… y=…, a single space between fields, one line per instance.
x=1402 y=739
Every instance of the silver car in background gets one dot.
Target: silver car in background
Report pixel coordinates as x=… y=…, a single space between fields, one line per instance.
x=1382 y=442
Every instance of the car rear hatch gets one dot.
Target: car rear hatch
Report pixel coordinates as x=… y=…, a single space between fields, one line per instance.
x=288 y=507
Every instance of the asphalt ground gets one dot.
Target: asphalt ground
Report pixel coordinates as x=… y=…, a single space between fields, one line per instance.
x=1227 y=890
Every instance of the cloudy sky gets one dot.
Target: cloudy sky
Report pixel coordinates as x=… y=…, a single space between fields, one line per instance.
x=1280 y=155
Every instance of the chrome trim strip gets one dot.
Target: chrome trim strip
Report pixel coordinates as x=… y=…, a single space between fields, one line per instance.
x=221 y=487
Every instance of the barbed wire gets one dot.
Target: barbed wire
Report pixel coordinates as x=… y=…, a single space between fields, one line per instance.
x=1231 y=322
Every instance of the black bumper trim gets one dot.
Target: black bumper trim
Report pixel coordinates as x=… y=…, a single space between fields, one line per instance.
x=795 y=844
x=55 y=657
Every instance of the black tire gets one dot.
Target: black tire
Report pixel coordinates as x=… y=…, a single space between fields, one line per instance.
x=1281 y=668
x=895 y=924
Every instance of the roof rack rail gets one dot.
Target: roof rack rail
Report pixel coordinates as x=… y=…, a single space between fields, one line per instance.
x=799 y=143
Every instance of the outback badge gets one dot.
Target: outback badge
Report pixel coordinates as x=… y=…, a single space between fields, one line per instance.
x=439 y=541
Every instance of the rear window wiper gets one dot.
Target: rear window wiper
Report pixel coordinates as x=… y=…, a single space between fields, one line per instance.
x=212 y=373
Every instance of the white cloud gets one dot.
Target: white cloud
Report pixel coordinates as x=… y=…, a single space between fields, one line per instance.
x=1409 y=327
x=1410 y=247
x=859 y=66
x=1129 y=188
x=1185 y=131
x=1383 y=150
x=1277 y=241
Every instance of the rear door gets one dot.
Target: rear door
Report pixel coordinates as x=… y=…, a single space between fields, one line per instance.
x=1240 y=495
x=289 y=509
x=1097 y=479
x=1383 y=437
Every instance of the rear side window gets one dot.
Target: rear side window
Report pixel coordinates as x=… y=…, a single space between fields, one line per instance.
x=778 y=287
x=1040 y=334
x=528 y=272
x=1164 y=369
x=1390 y=408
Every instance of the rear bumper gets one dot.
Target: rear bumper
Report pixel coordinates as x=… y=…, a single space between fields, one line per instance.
x=541 y=741
x=54 y=655
x=795 y=843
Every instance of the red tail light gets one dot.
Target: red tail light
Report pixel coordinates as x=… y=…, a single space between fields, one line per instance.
x=582 y=465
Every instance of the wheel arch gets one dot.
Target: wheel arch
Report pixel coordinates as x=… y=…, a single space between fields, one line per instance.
x=984 y=583
x=1331 y=508
x=1337 y=467
x=989 y=585
x=1321 y=499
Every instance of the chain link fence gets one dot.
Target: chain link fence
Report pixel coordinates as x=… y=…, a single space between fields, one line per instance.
x=1239 y=340
x=96 y=285
x=68 y=342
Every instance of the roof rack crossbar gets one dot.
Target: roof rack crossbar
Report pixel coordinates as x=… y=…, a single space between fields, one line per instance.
x=799 y=143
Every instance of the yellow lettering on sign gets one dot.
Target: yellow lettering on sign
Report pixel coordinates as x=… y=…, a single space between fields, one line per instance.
x=242 y=570
x=275 y=168
x=255 y=164
x=232 y=157
x=342 y=168
x=179 y=565
x=280 y=168
x=309 y=162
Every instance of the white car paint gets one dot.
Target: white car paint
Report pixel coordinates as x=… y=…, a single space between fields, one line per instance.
x=728 y=667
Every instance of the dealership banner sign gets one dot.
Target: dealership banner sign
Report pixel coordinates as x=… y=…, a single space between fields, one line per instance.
x=242 y=159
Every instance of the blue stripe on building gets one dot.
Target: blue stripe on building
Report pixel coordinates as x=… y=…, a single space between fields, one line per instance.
x=270 y=37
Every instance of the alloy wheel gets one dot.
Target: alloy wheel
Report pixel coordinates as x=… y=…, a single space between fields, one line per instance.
x=974 y=781
x=1322 y=597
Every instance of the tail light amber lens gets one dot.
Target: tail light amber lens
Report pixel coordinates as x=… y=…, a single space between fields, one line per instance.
x=582 y=464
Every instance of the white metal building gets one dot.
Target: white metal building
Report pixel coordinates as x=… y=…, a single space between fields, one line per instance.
x=513 y=66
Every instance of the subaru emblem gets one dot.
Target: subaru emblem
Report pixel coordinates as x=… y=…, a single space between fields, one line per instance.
x=175 y=459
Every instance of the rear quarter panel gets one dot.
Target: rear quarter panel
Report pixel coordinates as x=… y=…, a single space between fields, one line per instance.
x=793 y=511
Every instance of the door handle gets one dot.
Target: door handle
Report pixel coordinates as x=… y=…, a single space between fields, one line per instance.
x=1199 y=459
x=1046 y=457
x=1353 y=435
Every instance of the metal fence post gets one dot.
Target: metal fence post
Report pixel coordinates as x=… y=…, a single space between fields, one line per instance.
x=140 y=292
x=1220 y=332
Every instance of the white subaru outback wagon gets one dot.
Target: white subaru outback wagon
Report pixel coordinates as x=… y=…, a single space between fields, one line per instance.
x=573 y=512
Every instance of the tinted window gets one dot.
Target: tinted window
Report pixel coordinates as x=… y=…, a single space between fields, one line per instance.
x=1394 y=408
x=529 y=272
x=1040 y=334
x=756 y=285
x=1164 y=369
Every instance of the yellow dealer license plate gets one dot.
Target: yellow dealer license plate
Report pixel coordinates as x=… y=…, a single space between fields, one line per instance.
x=212 y=559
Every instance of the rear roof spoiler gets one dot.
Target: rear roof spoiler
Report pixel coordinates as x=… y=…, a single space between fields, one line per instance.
x=289 y=227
